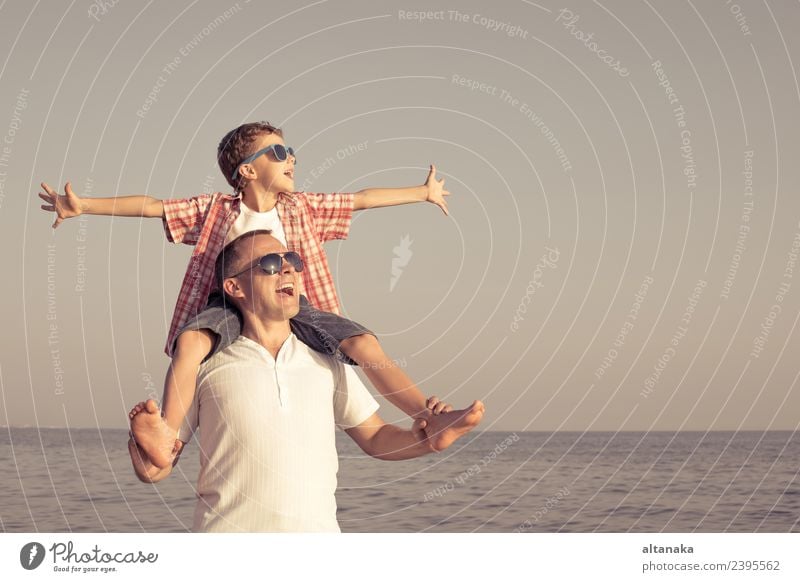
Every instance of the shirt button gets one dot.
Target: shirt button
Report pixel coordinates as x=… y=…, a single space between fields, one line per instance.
x=283 y=388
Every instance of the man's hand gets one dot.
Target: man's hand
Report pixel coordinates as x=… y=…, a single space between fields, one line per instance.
x=65 y=207
x=436 y=191
x=421 y=435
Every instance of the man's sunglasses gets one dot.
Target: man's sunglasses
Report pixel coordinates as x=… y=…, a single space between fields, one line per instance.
x=281 y=153
x=271 y=264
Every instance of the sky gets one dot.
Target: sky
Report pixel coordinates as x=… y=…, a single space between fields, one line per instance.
x=624 y=231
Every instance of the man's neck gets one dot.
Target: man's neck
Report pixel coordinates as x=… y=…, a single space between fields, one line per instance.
x=270 y=334
x=260 y=200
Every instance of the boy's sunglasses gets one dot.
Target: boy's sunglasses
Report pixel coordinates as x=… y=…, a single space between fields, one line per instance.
x=281 y=153
x=271 y=264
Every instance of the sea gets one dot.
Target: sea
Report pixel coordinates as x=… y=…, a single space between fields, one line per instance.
x=80 y=480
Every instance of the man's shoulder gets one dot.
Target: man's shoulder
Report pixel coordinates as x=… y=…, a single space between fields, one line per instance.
x=310 y=363
x=301 y=352
x=246 y=360
x=293 y=352
x=241 y=349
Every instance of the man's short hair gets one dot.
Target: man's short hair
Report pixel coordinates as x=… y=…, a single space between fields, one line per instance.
x=238 y=144
x=229 y=258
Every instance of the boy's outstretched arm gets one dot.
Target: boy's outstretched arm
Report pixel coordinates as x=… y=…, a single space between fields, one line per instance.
x=70 y=205
x=388 y=378
x=431 y=191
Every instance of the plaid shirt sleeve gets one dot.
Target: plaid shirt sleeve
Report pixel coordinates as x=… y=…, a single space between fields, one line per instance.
x=183 y=218
x=332 y=214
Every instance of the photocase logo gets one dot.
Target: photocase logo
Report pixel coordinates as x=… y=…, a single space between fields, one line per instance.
x=31 y=555
x=402 y=255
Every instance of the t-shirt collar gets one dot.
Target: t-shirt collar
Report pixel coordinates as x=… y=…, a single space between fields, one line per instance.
x=283 y=198
x=286 y=352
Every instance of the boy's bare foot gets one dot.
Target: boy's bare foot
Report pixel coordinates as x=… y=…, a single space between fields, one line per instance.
x=444 y=428
x=152 y=434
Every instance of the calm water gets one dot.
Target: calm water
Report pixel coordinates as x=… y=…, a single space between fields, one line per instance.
x=80 y=480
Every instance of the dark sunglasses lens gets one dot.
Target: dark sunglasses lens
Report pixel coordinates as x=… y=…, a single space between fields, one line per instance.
x=271 y=263
x=294 y=260
x=280 y=152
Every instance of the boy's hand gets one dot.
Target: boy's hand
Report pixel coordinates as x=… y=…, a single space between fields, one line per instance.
x=64 y=206
x=436 y=191
x=436 y=406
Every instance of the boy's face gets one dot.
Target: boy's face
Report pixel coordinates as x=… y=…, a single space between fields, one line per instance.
x=271 y=174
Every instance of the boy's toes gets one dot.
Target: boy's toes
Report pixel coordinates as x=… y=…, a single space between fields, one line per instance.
x=136 y=409
x=151 y=406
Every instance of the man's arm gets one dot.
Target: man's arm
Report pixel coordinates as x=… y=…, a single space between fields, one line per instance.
x=71 y=205
x=390 y=442
x=144 y=469
x=431 y=191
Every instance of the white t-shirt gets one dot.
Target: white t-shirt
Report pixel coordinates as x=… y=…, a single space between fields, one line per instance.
x=251 y=220
x=268 y=457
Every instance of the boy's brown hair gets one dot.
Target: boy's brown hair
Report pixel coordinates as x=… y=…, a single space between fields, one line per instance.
x=237 y=145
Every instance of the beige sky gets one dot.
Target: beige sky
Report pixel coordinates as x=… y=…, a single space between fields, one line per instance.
x=624 y=217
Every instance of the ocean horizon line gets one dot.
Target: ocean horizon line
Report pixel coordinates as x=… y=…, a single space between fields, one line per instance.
x=569 y=431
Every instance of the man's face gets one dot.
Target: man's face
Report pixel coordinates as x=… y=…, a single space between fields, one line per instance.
x=270 y=297
x=272 y=174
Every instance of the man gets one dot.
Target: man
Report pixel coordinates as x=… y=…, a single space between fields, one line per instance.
x=268 y=406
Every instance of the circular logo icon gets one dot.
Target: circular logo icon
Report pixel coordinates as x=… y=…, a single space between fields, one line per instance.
x=31 y=555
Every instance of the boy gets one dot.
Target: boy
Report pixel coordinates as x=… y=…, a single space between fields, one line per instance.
x=260 y=168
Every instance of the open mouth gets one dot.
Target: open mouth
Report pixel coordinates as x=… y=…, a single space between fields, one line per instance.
x=286 y=289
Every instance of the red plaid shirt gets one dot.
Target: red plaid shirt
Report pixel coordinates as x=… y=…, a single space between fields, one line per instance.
x=203 y=221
